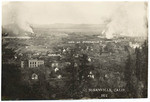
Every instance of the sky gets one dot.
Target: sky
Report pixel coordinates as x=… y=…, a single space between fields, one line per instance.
x=58 y=12
x=123 y=16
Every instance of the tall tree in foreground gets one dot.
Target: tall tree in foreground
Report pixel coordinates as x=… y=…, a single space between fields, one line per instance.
x=144 y=68
x=128 y=74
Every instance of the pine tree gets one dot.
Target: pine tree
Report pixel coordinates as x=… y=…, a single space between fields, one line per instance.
x=144 y=72
x=128 y=76
x=138 y=63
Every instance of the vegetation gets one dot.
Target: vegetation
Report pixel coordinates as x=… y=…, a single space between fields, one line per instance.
x=90 y=66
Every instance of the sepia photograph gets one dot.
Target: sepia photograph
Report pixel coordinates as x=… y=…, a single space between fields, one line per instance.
x=74 y=50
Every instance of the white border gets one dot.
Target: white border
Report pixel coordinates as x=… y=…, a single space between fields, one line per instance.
x=89 y=100
x=75 y=0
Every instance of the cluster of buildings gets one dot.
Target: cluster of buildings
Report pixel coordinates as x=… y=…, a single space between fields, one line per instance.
x=36 y=63
x=134 y=45
x=55 y=66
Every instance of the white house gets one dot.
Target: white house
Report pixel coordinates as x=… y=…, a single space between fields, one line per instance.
x=35 y=63
x=34 y=76
x=56 y=69
x=91 y=75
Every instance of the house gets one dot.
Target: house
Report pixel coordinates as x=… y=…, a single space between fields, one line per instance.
x=54 y=55
x=34 y=76
x=89 y=59
x=59 y=76
x=22 y=64
x=64 y=50
x=75 y=65
x=32 y=63
x=91 y=75
x=20 y=54
x=35 y=63
x=76 y=56
x=134 y=45
x=56 y=69
x=67 y=63
x=54 y=64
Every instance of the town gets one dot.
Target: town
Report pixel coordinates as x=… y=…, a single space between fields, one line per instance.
x=74 y=61
x=55 y=60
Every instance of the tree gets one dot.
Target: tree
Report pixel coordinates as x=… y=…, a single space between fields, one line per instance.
x=136 y=69
x=78 y=73
x=11 y=76
x=128 y=77
x=138 y=63
x=7 y=53
x=144 y=67
x=12 y=86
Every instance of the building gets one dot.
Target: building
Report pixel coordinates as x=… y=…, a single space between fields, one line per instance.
x=34 y=76
x=35 y=63
x=91 y=75
x=56 y=69
x=134 y=45
x=22 y=64
x=54 y=64
x=32 y=63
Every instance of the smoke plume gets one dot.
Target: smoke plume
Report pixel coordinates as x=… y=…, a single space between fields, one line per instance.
x=123 y=18
x=14 y=20
x=128 y=19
